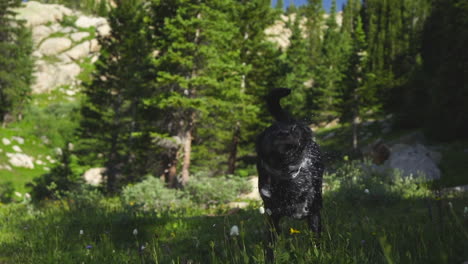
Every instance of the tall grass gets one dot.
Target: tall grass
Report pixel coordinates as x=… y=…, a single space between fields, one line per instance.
x=399 y=225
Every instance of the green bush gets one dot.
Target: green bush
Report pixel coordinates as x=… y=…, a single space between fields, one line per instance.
x=44 y=121
x=6 y=192
x=216 y=190
x=357 y=181
x=63 y=178
x=84 y=197
x=152 y=195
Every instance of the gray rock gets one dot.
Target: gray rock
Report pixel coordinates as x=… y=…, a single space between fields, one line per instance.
x=6 y=141
x=67 y=73
x=17 y=148
x=44 y=80
x=53 y=46
x=58 y=151
x=413 y=161
x=20 y=140
x=67 y=30
x=5 y=167
x=64 y=59
x=20 y=160
x=78 y=36
x=87 y=21
x=94 y=59
x=104 y=30
x=37 y=54
x=49 y=76
x=94 y=46
x=39 y=33
x=56 y=27
x=79 y=51
x=36 y=13
x=94 y=176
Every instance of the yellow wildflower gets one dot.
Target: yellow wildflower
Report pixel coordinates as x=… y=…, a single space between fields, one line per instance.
x=294 y=231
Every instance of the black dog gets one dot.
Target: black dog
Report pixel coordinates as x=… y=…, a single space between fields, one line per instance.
x=290 y=169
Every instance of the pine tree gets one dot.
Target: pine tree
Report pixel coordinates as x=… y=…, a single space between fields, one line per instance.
x=313 y=13
x=355 y=96
x=280 y=5
x=393 y=28
x=199 y=74
x=112 y=126
x=260 y=59
x=292 y=9
x=297 y=68
x=329 y=72
x=16 y=64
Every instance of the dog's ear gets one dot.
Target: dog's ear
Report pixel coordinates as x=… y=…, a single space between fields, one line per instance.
x=273 y=103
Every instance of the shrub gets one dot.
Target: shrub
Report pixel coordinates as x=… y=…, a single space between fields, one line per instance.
x=216 y=190
x=44 y=121
x=6 y=192
x=84 y=197
x=64 y=177
x=152 y=194
x=356 y=181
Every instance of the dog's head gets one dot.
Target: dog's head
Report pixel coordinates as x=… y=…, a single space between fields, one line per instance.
x=284 y=143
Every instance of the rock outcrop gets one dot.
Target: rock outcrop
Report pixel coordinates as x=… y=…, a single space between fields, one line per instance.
x=414 y=161
x=64 y=39
x=407 y=155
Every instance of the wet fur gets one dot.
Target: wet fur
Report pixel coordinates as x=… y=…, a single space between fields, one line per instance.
x=290 y=170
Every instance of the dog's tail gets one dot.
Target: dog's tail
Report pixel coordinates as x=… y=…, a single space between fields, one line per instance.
x=274 y=106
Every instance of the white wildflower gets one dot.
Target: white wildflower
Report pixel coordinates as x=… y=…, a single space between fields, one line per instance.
x=234 y=231
x=81 y=232
x=366 y=191
x=135 y=232
x=261 y=210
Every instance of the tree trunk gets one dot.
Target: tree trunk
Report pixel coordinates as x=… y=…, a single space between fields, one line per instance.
x=113 y=160
x=187 y=142
x=170 y=173
x=187 y=152
x=233 y=152
x=355 y=121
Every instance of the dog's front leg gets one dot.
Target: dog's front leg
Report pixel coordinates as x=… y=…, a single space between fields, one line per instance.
x=315 y=224
x=273 y=232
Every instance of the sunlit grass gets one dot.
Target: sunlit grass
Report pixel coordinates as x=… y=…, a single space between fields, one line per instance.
x=368 y=230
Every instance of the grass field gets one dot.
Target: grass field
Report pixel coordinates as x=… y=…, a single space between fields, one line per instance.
x=371 y=229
